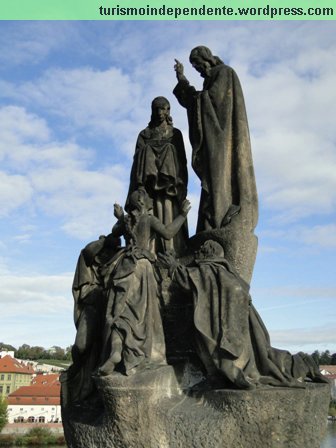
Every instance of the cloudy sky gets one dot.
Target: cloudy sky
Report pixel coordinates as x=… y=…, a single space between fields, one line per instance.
x=73 y=97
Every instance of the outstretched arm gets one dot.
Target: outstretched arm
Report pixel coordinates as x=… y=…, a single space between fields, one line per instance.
x=179 y=69
x=169 y=231
x=177 y=271
x=183 y=91
x=118 y=228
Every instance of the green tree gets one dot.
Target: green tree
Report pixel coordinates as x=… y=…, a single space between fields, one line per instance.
x=3 y=413
x=325 y=358
x=58 y=352
x=68 y=353
x=36 y=353
x=8 y=347
x=23 y=352
x=333 y=359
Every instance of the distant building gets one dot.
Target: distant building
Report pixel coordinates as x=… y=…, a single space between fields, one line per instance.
x=13 y=374
x=4 y=353
x=327 y=370
x=330 y=373
x=37 y=403
x=46 y=380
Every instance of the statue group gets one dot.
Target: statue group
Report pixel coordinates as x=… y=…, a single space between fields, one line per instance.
x=121 y=290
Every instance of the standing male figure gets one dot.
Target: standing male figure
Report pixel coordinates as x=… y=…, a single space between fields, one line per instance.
x=222 y=159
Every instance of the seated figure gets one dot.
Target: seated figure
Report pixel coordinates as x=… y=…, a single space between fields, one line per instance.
x=133 y=336
x=230 y=337
x=89 y=313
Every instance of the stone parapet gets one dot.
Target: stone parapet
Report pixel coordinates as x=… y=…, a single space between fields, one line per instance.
x=158 y=410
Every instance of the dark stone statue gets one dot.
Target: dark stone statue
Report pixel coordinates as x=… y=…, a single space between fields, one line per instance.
x=89 y=317
x=230 y=337
x=169 y=349
x=222 y=159
x=133 y=335
x=160 y=166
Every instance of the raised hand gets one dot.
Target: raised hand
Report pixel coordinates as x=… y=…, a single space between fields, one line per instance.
x=185 y=208
x=118 y=211
x=179 y=69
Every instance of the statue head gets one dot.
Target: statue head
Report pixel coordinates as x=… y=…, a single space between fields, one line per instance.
x=160 y=111
x=139 y=202
x=210 y=249
x=203 y=60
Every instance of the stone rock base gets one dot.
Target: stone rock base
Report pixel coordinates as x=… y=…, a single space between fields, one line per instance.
x=154 y=409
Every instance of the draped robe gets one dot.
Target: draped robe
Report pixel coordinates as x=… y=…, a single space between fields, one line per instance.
x=160 y=166
x=222 y=159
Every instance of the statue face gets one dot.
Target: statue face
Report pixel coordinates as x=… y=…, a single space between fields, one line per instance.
x=161 y=112
x=203 y=67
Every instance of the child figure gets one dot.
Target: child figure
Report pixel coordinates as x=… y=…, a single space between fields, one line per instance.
x=133 y=336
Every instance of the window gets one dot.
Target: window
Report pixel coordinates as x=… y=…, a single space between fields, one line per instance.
x=31 y=419
x=1 y=389
x=7 y=389
x=21 y=409
x=9 y=376
x=41 y=419
x=19 y=419
x=2 y=377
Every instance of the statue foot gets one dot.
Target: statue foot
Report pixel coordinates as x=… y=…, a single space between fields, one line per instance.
x=210 y=383
x=242 y=383
x=106 y=369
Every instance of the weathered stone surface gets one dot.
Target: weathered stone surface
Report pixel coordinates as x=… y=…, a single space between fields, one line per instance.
x=137 y=308
x=154 y=410
x=241 y=257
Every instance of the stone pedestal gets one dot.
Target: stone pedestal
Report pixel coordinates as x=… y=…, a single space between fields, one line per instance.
x=154 y=409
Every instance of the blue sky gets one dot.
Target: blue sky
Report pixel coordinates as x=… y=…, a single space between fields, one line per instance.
x=74 y=96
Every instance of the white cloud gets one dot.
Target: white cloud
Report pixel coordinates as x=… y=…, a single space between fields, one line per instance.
x=31 y=41
x=305 y=292
x=88 y=100
x=56 y=178
x=15 y=191
x=323 y=236
x=84 y=198
x=308 y=339
x=35 y=296
x=17 y=125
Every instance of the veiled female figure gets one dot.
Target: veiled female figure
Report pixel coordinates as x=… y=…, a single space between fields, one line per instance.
x=160 y=166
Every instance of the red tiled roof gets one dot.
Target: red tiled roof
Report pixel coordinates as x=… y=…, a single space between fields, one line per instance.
x=331 y=377
x=34 y=401
x=37 y=391
x=331 y=369
x=12 y=365
x=46 y=380
x=36 y=394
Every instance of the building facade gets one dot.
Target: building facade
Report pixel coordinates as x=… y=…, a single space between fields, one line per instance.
x=37 y=403
x=13 y=375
